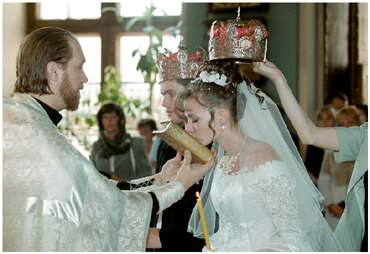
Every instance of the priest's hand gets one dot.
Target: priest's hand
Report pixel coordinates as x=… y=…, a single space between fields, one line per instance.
x=189 y=173
x=153 y=241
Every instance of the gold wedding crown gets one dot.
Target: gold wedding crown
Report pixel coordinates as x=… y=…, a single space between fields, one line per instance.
x=242 y=40
x=181 y=64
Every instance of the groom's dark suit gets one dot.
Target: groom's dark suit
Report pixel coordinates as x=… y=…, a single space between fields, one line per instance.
x=173 y=233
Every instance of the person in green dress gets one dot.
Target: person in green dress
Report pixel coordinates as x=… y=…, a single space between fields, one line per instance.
x=349 y=144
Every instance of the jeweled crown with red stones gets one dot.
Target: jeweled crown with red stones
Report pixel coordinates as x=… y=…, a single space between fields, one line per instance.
x=243 y=40
x=181 y=64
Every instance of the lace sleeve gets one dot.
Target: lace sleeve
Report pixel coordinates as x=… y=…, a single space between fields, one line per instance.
x=142 y=182
x=277 y=192
x=132 y=186
x=149 y=182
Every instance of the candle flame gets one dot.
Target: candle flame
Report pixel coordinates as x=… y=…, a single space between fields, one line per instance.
x=197 y=194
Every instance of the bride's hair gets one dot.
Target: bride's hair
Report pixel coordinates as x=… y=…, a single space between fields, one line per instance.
x=210 y=94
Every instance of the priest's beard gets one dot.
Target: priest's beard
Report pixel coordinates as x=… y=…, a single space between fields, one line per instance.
x=71 y=97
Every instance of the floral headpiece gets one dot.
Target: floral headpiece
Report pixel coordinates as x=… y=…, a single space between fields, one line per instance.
x=181 y=64
x=219 y=79
x=238 y=39
x=213 y=77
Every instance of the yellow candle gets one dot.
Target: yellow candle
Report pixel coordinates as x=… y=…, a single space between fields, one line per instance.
x=264 y=57
x=203 y=220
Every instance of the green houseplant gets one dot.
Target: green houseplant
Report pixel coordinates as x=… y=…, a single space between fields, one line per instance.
x=147 y=63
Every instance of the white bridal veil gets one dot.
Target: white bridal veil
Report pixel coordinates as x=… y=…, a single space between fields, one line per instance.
x=261 y=120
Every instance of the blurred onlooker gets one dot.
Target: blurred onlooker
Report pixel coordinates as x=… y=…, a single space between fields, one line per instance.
x=326 y=117
x=337 y=100
x=116 y=154
x=349 y=116
x=363 y=112
x=334 y=177
x=146 y=128
x=314 y=154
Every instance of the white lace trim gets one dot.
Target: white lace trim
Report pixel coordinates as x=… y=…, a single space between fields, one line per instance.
x=227 y=165
x=276 y=223
x=169 y=194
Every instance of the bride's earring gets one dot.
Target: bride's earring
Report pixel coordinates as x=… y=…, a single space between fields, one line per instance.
x=223 y=127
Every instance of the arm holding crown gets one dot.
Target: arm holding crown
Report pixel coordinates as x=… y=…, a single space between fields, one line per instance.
x=309 y=133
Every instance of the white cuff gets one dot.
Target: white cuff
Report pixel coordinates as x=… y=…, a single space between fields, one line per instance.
x=169 y=194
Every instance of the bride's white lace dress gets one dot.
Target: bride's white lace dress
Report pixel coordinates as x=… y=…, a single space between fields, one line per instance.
x=257 y=209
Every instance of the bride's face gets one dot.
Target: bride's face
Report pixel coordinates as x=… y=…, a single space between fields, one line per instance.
x=197 y=121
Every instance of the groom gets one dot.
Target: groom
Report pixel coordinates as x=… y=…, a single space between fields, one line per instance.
x=176 y=70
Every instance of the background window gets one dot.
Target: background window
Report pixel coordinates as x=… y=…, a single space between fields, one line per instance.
x=91 y=46
x=69 y=9
x=172 y=8
x=128 y=63
x=128 y=44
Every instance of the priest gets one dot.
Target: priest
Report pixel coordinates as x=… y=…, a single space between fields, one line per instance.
x=53 y=197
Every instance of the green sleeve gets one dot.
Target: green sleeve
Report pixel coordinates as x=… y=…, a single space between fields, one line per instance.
x=349 y=142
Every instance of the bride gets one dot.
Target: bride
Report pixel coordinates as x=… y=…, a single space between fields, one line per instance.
x=259 y=197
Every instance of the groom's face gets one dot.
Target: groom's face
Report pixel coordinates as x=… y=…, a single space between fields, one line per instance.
x=198 y=121
x=170 y=89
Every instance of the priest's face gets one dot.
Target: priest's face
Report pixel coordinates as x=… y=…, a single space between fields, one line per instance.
x=170 y=89
x=70 y=95
x=198 y=121
x=74 y=78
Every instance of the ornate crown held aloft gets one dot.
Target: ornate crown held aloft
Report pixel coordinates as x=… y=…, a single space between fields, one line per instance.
x=238 y=39
x=181 y=64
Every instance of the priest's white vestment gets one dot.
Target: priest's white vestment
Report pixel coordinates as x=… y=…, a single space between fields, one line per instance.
x=53 y=197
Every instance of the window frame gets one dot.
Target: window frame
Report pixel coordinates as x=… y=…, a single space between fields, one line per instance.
x=107 y=27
